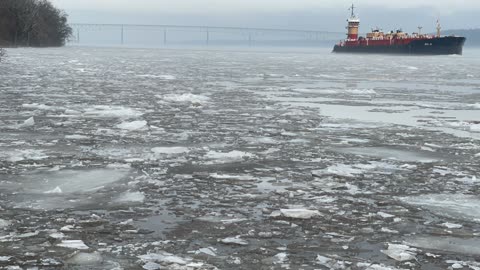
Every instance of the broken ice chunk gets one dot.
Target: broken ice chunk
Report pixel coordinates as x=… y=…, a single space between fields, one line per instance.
x=170 y=150
x=234 y=241
x=296 y=213
x=451 y=225
x=56 y=190
x=104 y=111
x=387 y=230
x=5 y=258
x=233 y=156
x=209 y=251
x=4 y=223
x=385 y=215
x=132 y=126
x=280 y=258
x=323 y=260
x=185 y=98
x=400 y=253
x=447 y=244
x=152 y=266
x=164 y=257
x=130 y=197
x=76 y=137
x=74 y=244
x=457 y=206
x=457 y=266
x=86 y=258
x=27 y=123
x=57 y=235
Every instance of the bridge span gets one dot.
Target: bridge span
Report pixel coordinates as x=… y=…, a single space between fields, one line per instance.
x=121 y=34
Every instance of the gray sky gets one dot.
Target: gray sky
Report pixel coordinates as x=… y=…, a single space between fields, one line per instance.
x=304 y=14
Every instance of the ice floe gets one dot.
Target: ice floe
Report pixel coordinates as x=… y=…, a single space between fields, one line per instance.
x=132 y=126
x=234 y=241
x=83 y=258
x=185 y=98
x=451 y=225
x=361 y=91
x=30 y=122
x=448 y=205
x=174 y=150
x=56 y=190
x=23 y=154
x=164 y=257
x=357 y=169
x=73 y=244
x=385 y=215
x=474 y=106
x=43 y=107
x=224 y=157
x=132 y=197
x=339 y=169
x=161 y=77
x=376 y=266
x=296 y=213
x=4 y=223
x=72 y=181
x=208 y=251
x=57 y=235
x=281 y=258
x=76 y=137
x=400 y=253
x=392 y=154
x=446 y=244
x=105 y=111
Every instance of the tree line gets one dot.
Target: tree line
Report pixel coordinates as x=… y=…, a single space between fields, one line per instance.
x=35 y=23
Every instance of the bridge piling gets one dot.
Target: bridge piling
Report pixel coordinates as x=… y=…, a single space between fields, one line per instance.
x=208 y=37
x=121 y=33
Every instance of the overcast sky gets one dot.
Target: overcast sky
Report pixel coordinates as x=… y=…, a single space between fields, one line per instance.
x=305 y=14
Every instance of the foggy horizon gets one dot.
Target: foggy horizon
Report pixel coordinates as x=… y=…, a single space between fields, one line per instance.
x=304 y=15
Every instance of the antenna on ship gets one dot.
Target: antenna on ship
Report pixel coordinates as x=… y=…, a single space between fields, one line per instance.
x=420 y=30
x=352 y=8
x=439 y=28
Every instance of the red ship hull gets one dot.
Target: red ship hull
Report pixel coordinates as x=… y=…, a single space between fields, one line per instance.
x=427 y=46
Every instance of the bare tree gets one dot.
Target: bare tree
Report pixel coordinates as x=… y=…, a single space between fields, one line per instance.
x=32 y=23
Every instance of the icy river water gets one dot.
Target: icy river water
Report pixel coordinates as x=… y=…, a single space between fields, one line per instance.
x=116 y=158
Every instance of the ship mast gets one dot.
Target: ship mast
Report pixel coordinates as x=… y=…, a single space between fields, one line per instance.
x=352 y=8
x=439 y=28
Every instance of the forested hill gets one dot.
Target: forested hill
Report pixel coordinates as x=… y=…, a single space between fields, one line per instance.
x=472 y=35
x=32 y=23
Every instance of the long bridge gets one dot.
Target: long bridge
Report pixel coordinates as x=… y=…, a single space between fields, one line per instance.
x=121 y=34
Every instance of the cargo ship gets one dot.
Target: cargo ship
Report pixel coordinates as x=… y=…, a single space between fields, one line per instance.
x=397 y=42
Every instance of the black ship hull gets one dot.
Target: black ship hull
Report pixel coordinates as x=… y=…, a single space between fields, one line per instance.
x=434 y=46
